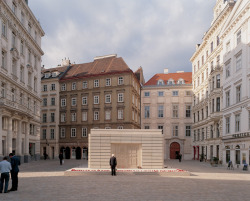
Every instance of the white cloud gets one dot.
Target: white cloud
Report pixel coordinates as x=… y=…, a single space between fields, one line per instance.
x=154 y=34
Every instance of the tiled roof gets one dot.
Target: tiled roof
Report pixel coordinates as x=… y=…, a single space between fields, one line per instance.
x=98 y=66
x=187 y=77
x=59 y=69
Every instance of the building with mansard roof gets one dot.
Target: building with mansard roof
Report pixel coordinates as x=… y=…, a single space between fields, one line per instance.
x=166 y=102
x=20 y=75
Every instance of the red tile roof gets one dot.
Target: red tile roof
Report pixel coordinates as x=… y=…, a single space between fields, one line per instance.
x=187 y=77
x=100 y=66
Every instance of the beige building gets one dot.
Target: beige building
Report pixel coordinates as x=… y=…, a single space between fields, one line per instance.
x=207 y=62
x=50 y=117
x=20 y=75
x=102 y=94
x=167 y=105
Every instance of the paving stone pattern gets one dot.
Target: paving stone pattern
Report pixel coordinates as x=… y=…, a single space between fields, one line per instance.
x=45 y=180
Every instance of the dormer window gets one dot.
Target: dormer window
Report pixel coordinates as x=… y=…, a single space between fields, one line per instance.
x=181 y=81
x=170 y=82
x=47 y=75
x=54 y=74
x=160 y=82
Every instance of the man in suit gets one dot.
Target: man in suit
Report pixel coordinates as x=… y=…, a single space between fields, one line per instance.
x=113 y=163
x=15 y=162
x=61 y=157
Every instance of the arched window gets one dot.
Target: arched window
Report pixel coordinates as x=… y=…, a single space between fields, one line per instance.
x=181 y=81
x=170 y=81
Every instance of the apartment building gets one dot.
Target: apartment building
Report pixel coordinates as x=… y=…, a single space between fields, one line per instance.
x=101 y=94
x=167 y=105
x=207 y=63
x=20 y=75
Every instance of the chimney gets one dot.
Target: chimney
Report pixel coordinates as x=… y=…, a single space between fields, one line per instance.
x=165 y=70
x=65 y=62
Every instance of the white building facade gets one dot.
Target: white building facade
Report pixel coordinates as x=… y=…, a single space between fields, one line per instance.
x=166 y=101
x=20 y=75
x=236 y=85
x=207 y=62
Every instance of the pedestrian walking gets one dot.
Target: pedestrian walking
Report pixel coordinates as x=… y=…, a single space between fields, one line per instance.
x=113 y=163
x=5 y=168
x=180 y=156
x=15 y=162
x=61 y=158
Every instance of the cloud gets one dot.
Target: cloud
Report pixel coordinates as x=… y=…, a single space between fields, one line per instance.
x=154 y=34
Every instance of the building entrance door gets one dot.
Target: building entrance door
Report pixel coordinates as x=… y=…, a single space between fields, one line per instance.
x=127 y=155
x=174 y=150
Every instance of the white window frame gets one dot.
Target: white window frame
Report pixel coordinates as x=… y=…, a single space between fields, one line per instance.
x=73 y=86
x=237 y=123
x=63 y=87
x=52 y=133
x=73 y=116
x=120 y=81
x=146 y=94
x=238 y=65
x=160 y=93
x=175 y=130
x=63 y=102
x=146 y=111
x=175 y=93
x=85 y=84
x=96 y=99
x=175 y=111
x=238 y=93
x=108 y=82
x=84 y=116
x=62 y=132
x=53 y=87
x=227 y=98
x=84 y=132
x=63 y=117
x=120 y=114
x=160 y=111
x=227 y=125
x=108 y=98
x=120 y=98
x=73 y=101
x=84 y=100
x=107 y=115
x=73 y=132
x=238 y=36
x=188 y=130
x=96 y=115
x=53 y=101
x=96 y=83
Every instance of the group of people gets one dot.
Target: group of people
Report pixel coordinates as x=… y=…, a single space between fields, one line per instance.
x=7 y=168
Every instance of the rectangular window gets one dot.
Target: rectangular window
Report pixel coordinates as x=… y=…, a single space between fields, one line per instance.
x=73 y=86
x=188 y=93
x=188 y=111
x=160 y=93
x=175 y=93
x=52 y=133
x=44 y=118
x=146 y=127
x=175 y=111
x=84 y=84
x=147 y=94
x=237 y=123
x=228 y=47
x=108 y=98
x=239 y=37
x=3 y=60
x=62 y=132
x=84 y=132
x=53 y=101
x=52 y=117
x=120 y=97
x=45 y=88
x=73 y=116
x=53 y=87
x=108 y=115
x=96 y=83
x=188 y=131
x=45 y=102
x=227 y=98
x=227 y=125
x=218 y=104
x=63 y=87
x=13 y=41
x=96 y=99
x=218 y=81
x=63 y=102
x=238 y=62
x=73 y=101
x=160 y=111
x=63 y=117
x=228 y=70
x=120 y=80
x=147 y=112
x=175 y=131
x=73 y=132
x=238 y=94
x=84 y=100
x=108 y=81
x=212 y=47
x=120 y=114
x=160 y=128
x=44 y=134
x=96 y=115
x=4 y=30
x=84 y=116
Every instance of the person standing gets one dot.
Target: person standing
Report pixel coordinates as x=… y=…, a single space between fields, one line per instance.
x=113 y=163
x=180 y=156
x=5 y=169
x=61 y=157
x=15 y=162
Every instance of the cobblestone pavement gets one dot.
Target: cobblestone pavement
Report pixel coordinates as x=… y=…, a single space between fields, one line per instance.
x=45 y=180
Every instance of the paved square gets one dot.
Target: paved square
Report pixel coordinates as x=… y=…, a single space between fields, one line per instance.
x=45 y=180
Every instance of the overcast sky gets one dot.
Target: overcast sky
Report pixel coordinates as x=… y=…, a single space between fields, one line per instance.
x=154 y=34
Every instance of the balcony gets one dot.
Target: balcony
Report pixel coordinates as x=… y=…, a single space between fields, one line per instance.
x=216 y=115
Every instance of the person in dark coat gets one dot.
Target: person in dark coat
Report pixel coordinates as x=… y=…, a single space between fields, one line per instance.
x=113 y=163
x=61 y=157
x=15 y=162
x=180 y=156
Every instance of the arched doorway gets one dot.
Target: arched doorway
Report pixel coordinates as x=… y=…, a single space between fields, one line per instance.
x=67 y=153
x=78 y=153
x=174 y=150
